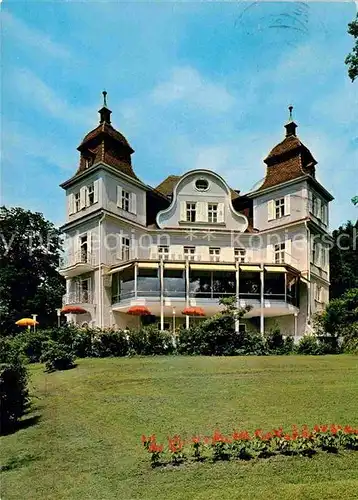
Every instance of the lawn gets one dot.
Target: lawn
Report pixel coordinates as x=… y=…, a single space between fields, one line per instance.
x=86 y=443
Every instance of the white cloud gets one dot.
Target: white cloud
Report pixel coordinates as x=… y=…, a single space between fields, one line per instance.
x=186 y=84
x=38 y=94
x=30 y=37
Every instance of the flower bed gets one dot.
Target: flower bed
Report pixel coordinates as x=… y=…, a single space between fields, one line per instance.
x=241 y=445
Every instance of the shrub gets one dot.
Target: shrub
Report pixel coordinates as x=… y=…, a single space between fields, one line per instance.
x=308 y=345
x=350 y=346
x=57 y=357
x=9 y=351
x=150 y=341
x=110 y=343
x=277 y=344
x=13 y=394
x=31 y=344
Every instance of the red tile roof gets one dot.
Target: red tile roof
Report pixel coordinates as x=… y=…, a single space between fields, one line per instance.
x=288 y=160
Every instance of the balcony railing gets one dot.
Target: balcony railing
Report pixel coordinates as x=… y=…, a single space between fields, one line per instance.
x=80 y=257
x=79 y=297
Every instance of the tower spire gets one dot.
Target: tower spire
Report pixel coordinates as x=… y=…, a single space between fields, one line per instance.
x=290 y=125
x=105 y=112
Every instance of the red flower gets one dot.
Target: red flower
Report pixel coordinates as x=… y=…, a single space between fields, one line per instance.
x=258 y=433
x=217 y=437
x=155 y=448
x=195 y=439
x=316 y=428
x=287 y=437
x=324 y=428
x=144 y=439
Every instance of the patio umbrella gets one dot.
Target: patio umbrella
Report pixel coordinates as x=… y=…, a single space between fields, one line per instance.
x=73 y=310
x=193 y=311
x=139 y=311
x=26 y=322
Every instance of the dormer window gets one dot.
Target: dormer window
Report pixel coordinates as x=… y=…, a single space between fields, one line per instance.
x=212 y=212
x=191 y=212
x=201 y=184
x=88 y=162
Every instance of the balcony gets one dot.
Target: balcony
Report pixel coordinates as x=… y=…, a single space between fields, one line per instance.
x=207 y=284
x=79 y=297
x=74 y=264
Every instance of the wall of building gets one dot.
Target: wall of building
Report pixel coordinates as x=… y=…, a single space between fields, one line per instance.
x=298 y=206
x=111 y=182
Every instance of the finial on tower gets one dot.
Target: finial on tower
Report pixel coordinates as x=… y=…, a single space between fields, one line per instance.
x=104 y=112
x=290 y=125
x=104 y=98
x=290 y=118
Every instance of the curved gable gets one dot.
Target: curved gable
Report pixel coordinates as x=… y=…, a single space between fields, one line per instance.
x=210 y=199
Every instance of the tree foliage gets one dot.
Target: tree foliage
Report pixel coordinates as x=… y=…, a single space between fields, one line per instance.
x=352 y=58
x=340 y=317
x=344 y=259
x=30 y=248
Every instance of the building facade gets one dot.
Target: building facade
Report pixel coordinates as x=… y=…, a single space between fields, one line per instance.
x=193 y=239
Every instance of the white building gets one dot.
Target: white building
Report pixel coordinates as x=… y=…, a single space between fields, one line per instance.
x=194 y=239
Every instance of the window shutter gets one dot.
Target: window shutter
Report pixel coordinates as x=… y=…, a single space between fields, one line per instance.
x=119 y=247
x=325 y=213
x=95 y=191
x=183 y=210
x=271 y=210
x=288 y=251
x=76 y=247
x=200 y=211
x=310 y=201
x=83 y=196
x=89 y=242
x=221 y=212
x=319 y=255
x=287 y=204
x=270 y=256
x=71 y=203
x=133 y=207
x=119 y=196
x=318 y=213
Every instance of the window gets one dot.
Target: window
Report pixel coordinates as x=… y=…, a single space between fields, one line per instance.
x=77 y=202
x=280 y=253
x=190 y=212
x=85 y=286
x=90 y=194
x=83 y=248
x=240 y=254
x=279 y=208
x=314 y=254
x=214 y=253
x=318 y=293
x=189 y=252
x=125 y=248
x=126 y=200
x=323 y=256
x=201 y=184
x=163 y=252
x=212 y=212
x=88 y=162
x=242 y=328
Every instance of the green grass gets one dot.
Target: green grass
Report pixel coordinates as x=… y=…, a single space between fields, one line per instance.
x=86 y=444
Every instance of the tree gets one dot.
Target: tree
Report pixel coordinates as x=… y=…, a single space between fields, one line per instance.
x=344 y=259
x=339 y=315
x=352 y=58
x=355 y=200
x=30 y=248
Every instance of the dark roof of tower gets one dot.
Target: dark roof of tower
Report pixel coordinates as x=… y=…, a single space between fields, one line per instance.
x=288 y=160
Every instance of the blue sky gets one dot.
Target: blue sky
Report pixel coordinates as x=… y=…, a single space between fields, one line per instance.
x=190 y=84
